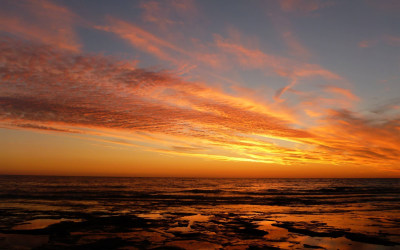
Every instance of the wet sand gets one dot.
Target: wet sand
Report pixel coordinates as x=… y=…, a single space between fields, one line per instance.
x=183 y=231
x=196 y=219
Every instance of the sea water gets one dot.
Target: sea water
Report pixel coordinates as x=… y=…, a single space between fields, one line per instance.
x=198 y=213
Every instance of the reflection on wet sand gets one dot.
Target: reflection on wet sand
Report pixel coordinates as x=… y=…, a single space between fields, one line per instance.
x=243 y=214
x=217 y=231
x=40 y=223
x=22 y=241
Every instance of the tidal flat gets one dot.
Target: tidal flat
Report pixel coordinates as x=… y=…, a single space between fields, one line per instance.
x=40 y=212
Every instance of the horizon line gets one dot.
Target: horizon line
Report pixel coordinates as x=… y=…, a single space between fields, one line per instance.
x=192 y=177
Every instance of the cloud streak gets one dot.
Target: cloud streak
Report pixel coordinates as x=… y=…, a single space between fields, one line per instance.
x=41 y=21
x=385 y=39
x=291 y=69
x=304 y=6
x=169 y=51
x=46 y=88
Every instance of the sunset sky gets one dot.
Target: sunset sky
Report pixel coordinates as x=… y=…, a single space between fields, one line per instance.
x=290 y=88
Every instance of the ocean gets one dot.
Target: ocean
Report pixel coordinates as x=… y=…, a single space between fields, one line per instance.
x=47 y=212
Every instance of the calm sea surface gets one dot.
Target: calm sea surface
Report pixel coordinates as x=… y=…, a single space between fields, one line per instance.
x=192 y=213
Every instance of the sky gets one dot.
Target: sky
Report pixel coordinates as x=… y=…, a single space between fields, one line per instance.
x=277 y=88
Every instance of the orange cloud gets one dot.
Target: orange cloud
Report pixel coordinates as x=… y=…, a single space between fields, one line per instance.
x=142 y=39
x=365 y=140
x=344 y=92
x=59 y=91
x=285 y=67
x=199 y=111
x=168 y=13
x=162 y=48
x=48 y=23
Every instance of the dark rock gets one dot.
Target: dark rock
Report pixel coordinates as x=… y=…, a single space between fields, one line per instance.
x=253 y=232
x=168 y=248
x=370 y=239
x=101 y=224
x=187 y=234
x=253 y=247
x=312 y=247
x=310 y=230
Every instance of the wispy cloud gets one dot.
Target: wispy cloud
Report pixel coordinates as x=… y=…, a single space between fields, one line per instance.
x=386 y=5
x=36 y=127
x=284 y=28
x=303 y=5
x=384 y=39
x=168 y=13
x=341 y=91
x=42 y=21
x=294 y=45
x=367 y=43
x=142 y=39
x=289 y=68
x=366 y=140
x=62 y=91
x=161 y=48
x=254 y=58
x=96 y=92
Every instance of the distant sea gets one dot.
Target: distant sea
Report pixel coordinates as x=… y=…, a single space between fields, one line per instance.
x=46 y=212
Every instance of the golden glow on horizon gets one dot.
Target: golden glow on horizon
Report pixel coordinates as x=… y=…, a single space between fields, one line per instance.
x=111 y=112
